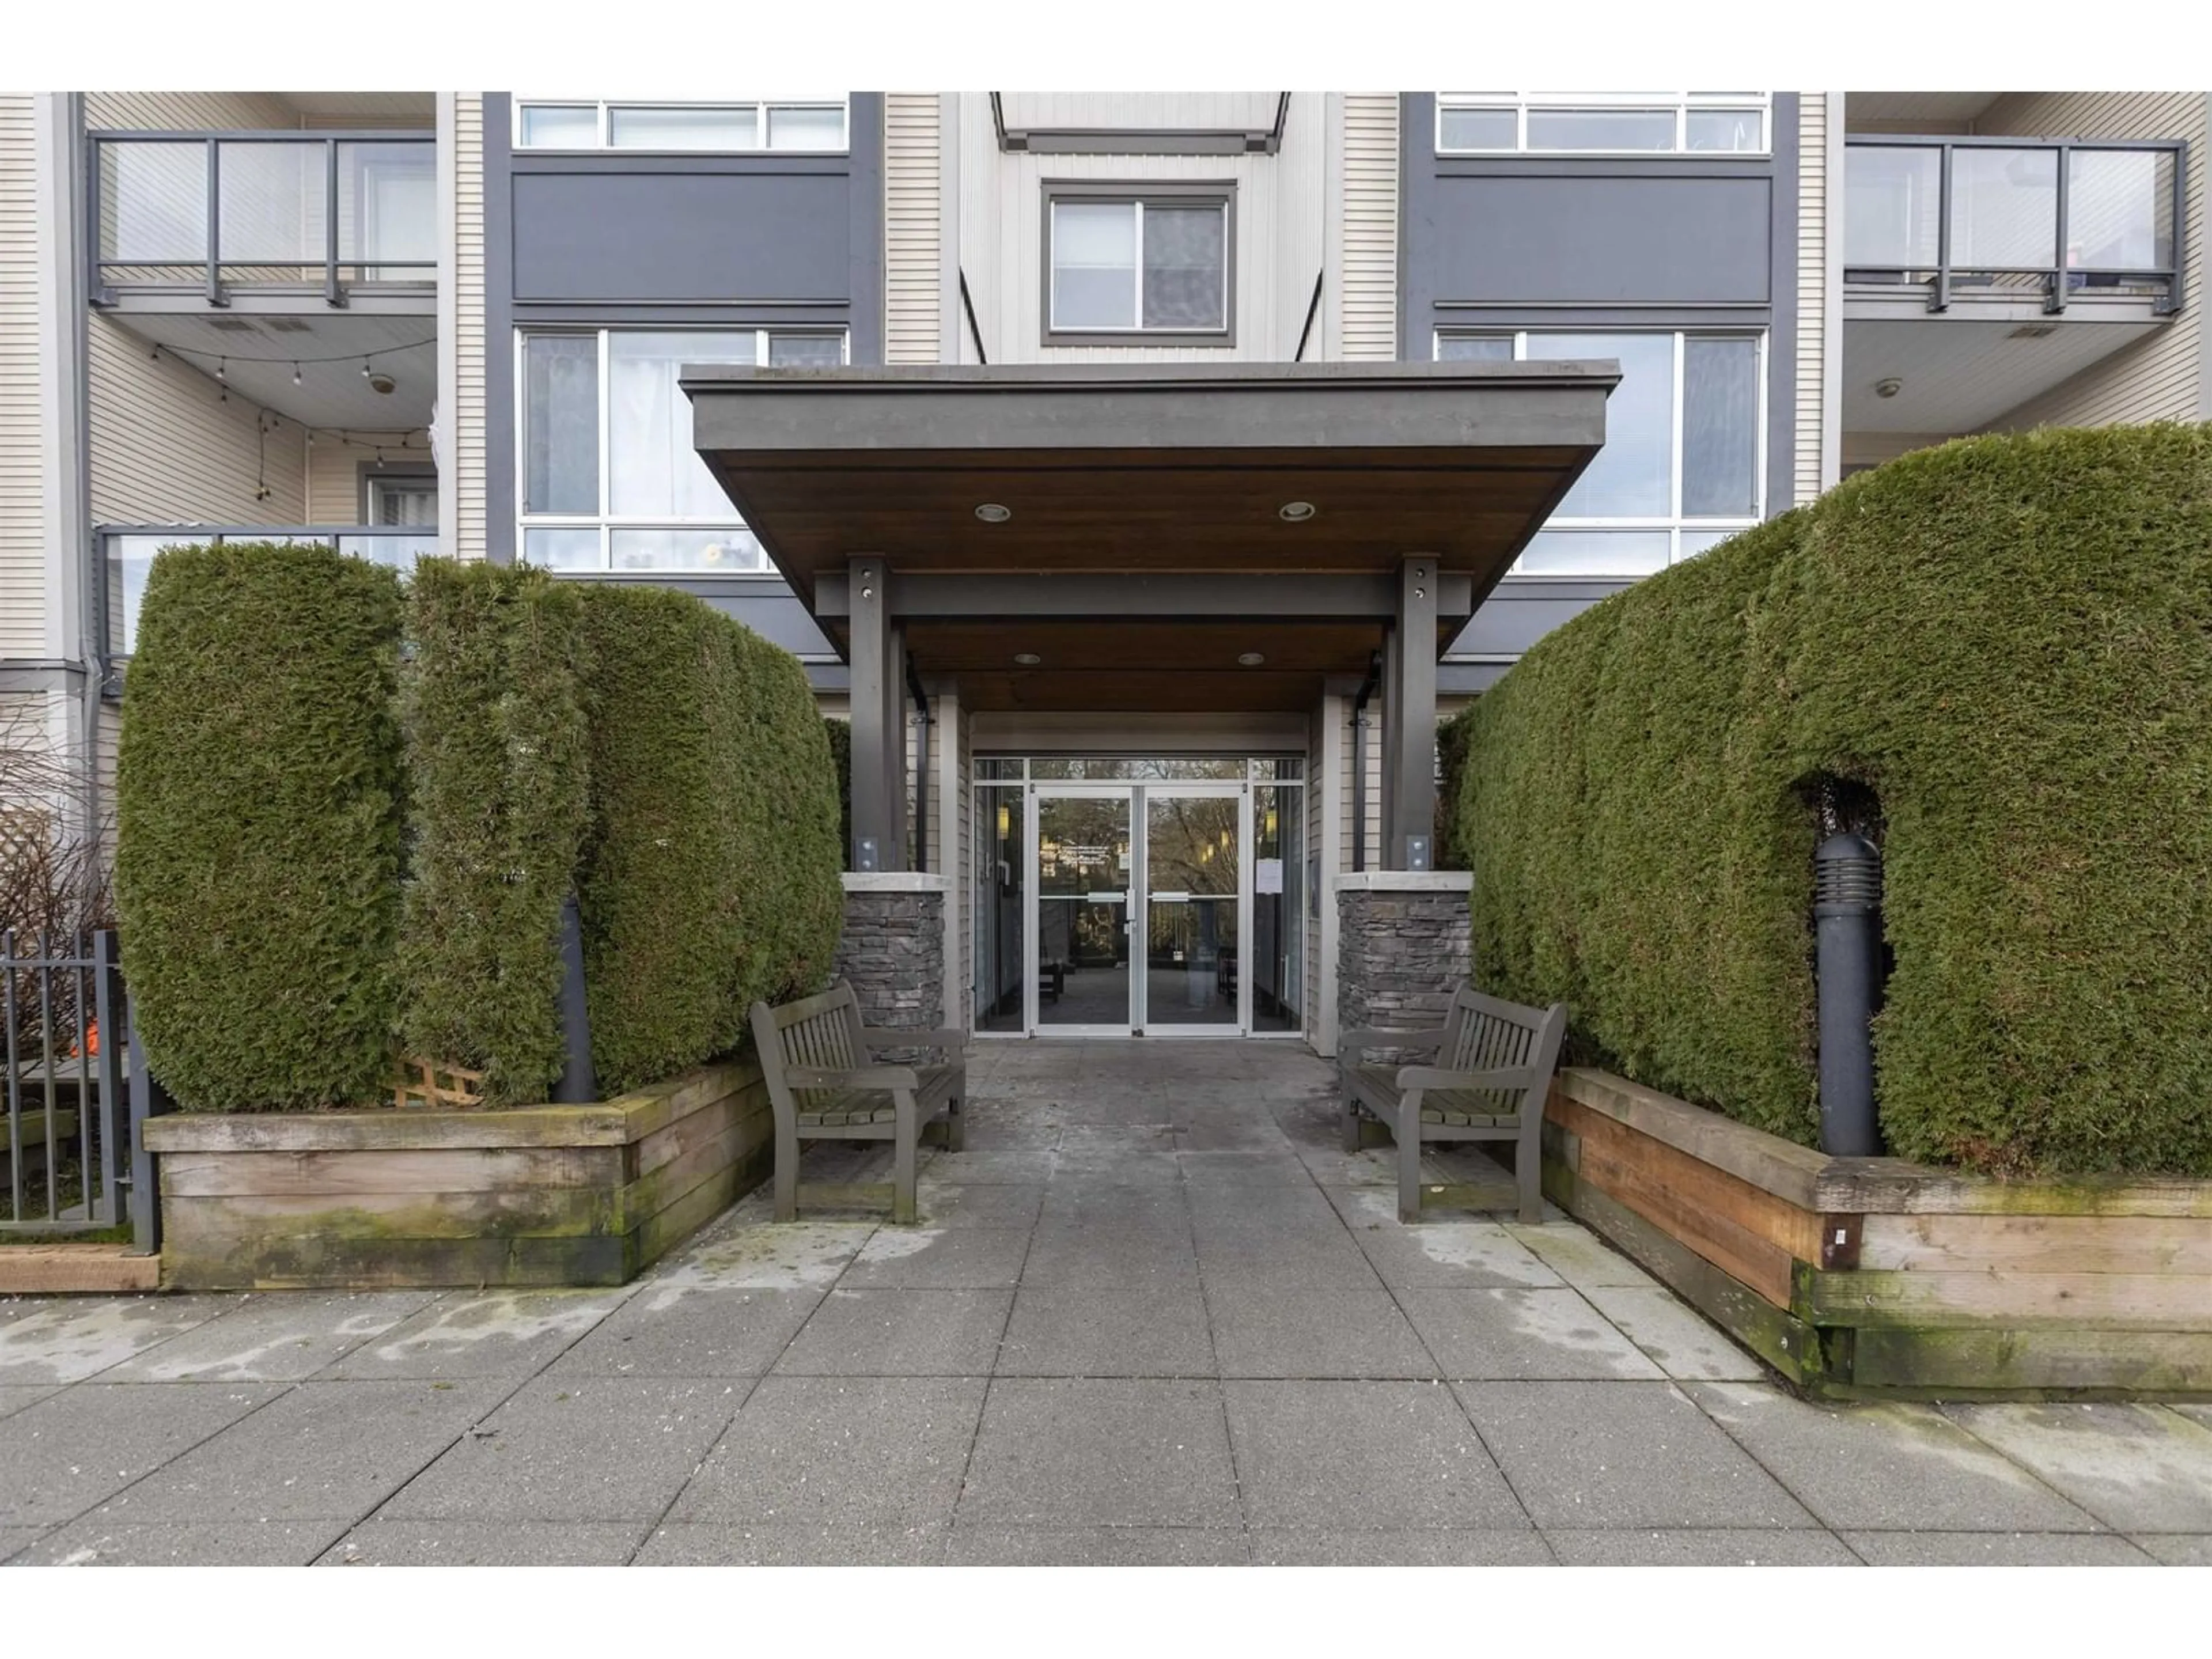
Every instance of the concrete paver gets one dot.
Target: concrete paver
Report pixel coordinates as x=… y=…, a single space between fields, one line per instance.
x=1153 y=1315
x=1127 y=1452
x=2137 y=1468
x=1886 y=1466
x=1610 y=1456
x=1363 y=1455
x=81 y=1445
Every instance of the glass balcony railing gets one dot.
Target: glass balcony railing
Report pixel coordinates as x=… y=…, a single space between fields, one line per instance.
x=270 y=210
x=128 y=553
x=2053 y=218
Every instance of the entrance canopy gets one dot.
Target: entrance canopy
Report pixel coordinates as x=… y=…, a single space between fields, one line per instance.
x=1140 y=536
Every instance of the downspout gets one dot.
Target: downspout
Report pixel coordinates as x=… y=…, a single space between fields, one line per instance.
x=920 y=768
x=1360 y=759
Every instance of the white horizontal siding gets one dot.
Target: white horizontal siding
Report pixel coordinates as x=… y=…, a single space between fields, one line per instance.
x=22 y=520
x=1369 y=255
x=913 y=251
x=1278 y=248
x=334 y=474
x=1812 y=291
x=2162 y=377
x=465 y=397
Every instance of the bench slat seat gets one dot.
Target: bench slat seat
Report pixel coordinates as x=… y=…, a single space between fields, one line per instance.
x=825 y=1083
x=1490 y=1071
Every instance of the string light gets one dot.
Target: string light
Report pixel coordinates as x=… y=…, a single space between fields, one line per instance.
x=296 y=374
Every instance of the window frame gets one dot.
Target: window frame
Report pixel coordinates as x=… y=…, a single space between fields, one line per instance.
x=1683 y=104
x=602 y=108
x=1139 y=193
x=607 y=521
x=1674 y=523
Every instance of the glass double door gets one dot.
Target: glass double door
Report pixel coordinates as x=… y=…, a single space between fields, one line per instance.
x=1136 y=921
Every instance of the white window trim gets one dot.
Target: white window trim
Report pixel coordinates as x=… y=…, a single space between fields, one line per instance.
x=1140 y=202
x=605 y=520
x=1675 y=524
x=760 y=105
x=1681 y=102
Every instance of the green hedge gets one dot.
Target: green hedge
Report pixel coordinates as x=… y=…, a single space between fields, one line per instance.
x=2008 y=640
x=496 y=747
x=710 y=867
x=258 y=812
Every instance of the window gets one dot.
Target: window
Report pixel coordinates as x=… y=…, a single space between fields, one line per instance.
x=1601 y=123
x=751 y=123
x=1684 y=457
x=1155 y=264
x=609 y=480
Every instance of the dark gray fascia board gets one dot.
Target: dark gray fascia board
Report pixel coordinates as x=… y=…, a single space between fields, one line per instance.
x=1733 y=165
x=1143 y=598
x=956 y=409
x=20 y=674
x=746 y=163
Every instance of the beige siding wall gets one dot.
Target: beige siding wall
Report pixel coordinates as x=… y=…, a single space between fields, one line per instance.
x=2164 y=377
x=1279 y=218
x=1812 y=290
x=22 y=518
x=166 y=447
x=1368 y=254
x=334 y=494
x=913 y=241
x=465 y=397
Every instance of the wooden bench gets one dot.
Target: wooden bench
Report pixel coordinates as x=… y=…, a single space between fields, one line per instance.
x=823 y=1085
x=1491 y=1072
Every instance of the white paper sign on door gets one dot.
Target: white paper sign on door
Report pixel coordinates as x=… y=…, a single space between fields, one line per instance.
x=1267 y=876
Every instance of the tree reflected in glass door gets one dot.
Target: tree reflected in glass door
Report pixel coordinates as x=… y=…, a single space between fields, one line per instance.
x=1192 y=878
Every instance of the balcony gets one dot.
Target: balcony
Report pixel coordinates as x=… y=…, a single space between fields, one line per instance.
x=127 y=555
x=310 y=221
x=1979 y=272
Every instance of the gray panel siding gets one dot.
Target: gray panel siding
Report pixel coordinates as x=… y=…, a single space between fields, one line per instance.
x=671 y=236
x=1608 y=242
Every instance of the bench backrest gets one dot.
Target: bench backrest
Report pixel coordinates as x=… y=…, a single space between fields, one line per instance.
x=1487 y=1034
x=822 y=1030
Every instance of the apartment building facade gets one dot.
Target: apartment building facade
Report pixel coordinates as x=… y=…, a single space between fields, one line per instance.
x=1167 y=427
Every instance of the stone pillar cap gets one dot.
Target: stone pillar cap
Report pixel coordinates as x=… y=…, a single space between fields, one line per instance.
x=897 y=881
x=1403 y=881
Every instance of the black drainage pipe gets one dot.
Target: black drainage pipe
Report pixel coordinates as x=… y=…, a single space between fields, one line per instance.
x=1847 y=921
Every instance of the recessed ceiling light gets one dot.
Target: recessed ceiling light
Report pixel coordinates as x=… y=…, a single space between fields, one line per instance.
x=992 y=512
x=1027 y=659
x=1251 y=659
x=1296 y=512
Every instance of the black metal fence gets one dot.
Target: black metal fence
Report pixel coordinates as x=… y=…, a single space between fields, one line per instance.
x=64 y=1155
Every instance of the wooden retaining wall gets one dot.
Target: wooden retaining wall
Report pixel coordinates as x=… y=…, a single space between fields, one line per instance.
x=1870 y=1277
x=533 y=1195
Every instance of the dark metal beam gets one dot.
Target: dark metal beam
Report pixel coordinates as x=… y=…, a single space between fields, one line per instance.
x=877 y=736
x=1409 y=724
x=1139 y=598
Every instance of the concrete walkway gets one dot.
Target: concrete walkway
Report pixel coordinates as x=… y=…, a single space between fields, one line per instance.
x=1154 y=1315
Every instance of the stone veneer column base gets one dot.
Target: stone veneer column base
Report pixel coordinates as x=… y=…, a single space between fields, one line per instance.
x=892 y=948
x=1404 y=944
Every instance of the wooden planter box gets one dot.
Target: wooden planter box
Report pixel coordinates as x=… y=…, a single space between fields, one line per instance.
x=1873 y=1277
x=531 y=1195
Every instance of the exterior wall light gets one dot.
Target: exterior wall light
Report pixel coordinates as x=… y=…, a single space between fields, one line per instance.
x=992 y=512
x=1028 y=658
x=1250 y=660
x=1888 y=388
x=1294 y=512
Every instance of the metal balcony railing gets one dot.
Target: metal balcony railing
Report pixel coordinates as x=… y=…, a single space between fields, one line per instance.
x=127 y=555
x=273 y=210
x=2056 y=218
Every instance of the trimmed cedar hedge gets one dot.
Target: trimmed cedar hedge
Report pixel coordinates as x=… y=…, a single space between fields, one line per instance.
x=258 y=808
x=496 y=747
x=2008 y=640
x=710 y=869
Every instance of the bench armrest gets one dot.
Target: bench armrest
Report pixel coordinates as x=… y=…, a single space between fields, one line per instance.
x=1373 y=1037
x=1436 y=1077
x=860 y=1077
x=944 y=1036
